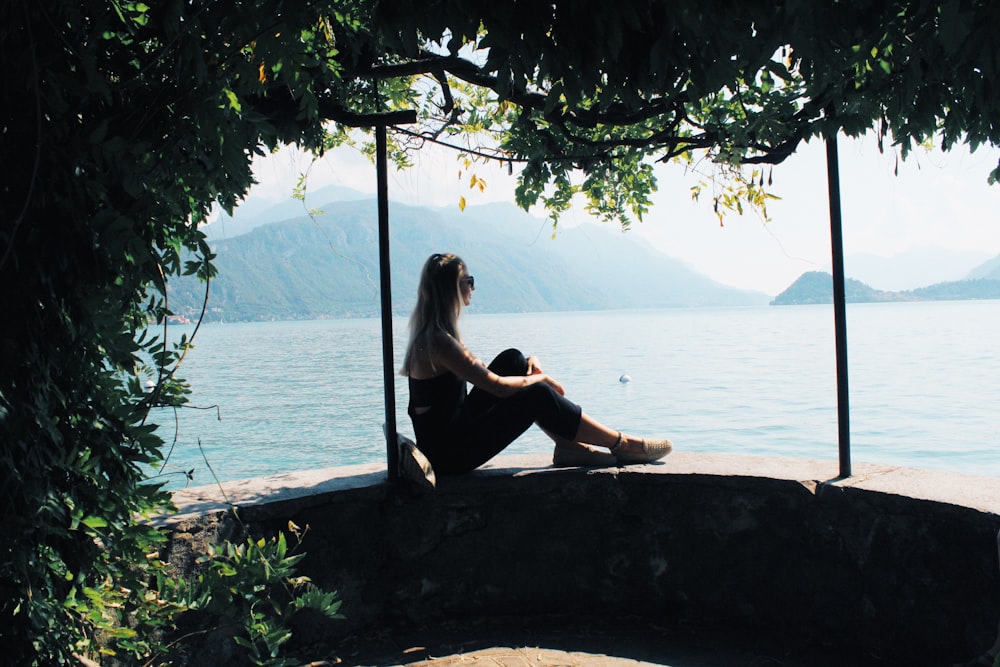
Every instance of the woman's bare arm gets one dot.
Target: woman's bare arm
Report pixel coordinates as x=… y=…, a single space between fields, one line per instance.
x=453 y=355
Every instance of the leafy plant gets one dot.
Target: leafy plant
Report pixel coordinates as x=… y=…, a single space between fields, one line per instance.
x=131 y=121
x=254 y=586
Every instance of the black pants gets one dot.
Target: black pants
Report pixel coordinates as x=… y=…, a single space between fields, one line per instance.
x=487 y=423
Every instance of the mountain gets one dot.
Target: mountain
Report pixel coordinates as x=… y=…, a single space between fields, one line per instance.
x=256 y=211
x=989 y=270
x=817 y=287
x=327 y=266
x=912 y=268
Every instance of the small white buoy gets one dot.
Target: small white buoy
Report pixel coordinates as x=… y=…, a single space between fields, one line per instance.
x=150 y=385
x=625 y=378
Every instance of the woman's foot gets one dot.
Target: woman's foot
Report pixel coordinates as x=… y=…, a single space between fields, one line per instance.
x=582 y=456
x=636 y=450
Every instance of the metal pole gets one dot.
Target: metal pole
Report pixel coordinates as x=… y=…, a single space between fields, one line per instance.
x=388 y=375
x=839 y=305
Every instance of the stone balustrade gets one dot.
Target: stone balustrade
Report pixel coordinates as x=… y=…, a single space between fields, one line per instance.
x=893 y=561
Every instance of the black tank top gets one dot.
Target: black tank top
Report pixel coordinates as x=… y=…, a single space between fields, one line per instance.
x=444 y=394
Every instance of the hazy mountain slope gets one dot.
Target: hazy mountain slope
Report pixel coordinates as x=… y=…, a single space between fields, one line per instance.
x=817 y=287
x=328 y=267
x=989 y=269
x=255 y=211
x=912 y=268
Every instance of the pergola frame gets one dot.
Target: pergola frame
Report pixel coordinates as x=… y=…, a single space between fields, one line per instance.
x=385 y=289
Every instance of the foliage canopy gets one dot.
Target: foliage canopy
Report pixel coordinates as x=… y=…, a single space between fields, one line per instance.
x=122 y=123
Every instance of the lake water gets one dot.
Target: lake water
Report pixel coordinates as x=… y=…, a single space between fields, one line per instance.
x=923 y=385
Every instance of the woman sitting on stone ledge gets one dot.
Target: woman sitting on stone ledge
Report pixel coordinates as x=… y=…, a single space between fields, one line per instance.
x=459 y=431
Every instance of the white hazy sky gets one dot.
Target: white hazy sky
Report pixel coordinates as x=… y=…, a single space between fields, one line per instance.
x=937 y=200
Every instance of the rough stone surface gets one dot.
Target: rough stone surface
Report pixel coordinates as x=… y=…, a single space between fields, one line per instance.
x=530 y=656
x=894 y=562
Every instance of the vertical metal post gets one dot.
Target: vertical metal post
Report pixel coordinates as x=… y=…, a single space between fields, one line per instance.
x=388 y=375
x=839 y=305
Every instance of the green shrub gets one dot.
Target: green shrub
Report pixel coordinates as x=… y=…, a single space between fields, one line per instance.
x=252 y=586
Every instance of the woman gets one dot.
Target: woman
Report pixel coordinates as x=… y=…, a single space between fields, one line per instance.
x=459 y=432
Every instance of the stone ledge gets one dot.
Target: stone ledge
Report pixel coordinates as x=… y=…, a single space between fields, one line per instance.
x=892 y=561
x=978 y=493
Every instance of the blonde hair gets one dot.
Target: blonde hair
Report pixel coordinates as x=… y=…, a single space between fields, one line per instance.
x=439 y=303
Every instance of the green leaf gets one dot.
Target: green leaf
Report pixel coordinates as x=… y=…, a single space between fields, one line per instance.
x=233 y=100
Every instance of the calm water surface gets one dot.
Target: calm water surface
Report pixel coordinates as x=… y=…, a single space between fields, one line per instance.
x=923 y=390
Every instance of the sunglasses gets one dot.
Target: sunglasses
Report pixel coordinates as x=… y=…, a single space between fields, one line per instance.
x=470 y=280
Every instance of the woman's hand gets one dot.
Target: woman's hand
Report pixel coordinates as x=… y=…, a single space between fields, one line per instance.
x=534 y=368
x=555 y=385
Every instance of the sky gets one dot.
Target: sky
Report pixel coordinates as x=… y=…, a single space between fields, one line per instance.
x=937 y=200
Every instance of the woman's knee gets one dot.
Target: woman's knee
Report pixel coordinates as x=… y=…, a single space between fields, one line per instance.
x=509 y=362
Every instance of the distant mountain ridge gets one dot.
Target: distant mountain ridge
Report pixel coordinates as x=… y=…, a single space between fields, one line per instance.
x=327 y=266
x=256 y=211
x=913 y=268
x=817 y=287
x=989 y=270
